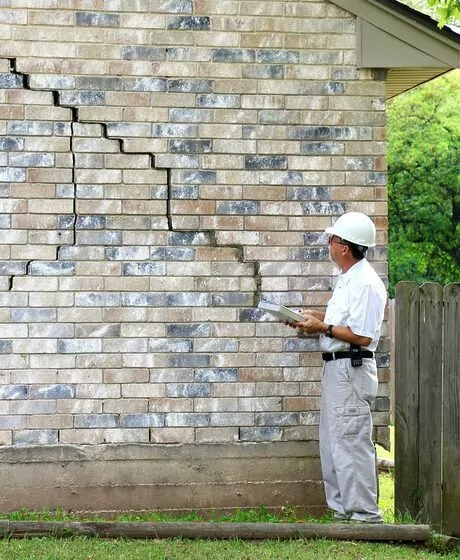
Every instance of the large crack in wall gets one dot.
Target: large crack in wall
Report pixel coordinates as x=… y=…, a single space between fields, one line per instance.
x=75 y=118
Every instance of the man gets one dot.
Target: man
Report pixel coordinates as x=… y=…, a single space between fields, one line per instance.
x=349 y=332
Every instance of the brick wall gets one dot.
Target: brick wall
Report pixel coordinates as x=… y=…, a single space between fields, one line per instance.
x=163 y=166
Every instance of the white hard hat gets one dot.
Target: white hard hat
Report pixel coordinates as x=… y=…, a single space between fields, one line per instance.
x=354 y=227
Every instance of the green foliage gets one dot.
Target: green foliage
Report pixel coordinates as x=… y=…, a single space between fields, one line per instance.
x=443 y=11
x=424 y=183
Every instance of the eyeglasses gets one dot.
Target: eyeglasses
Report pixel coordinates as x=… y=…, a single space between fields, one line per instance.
x=334 y=239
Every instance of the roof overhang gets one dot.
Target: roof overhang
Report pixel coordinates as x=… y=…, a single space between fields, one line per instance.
x=405 y=42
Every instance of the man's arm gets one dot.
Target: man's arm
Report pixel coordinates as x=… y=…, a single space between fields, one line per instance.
x=313 y=325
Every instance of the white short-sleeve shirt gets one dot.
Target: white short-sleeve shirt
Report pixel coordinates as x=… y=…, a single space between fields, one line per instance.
x=358 y=302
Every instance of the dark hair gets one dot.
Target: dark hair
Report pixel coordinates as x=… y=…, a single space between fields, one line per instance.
x=357 y=251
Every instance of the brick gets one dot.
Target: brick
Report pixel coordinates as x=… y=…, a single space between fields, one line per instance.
x=195 y=23
x=261 y=434
x=187 y=419
x=93 y=19
x=145 y=420
x=36 y=437
x=96 y=420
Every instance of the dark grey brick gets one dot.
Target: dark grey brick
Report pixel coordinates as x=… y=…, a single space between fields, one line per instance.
x=52 y=268
x=66 y=222
x=190 y=146
x=179 y=54
x=36 y=437
x=264 y=72
x=248 y=207
x=96 y=421
x=195 y=23
x=188 y=390
x=62 y=129
x=193 y=419
x=323 y=208
x=265 y=162
x=334 y=88
x=233 y=55
x=10 y=175
x=278 y=57
x=380 y=74
x=316 y=254
x=143 y=53
x=322 y=148
x=314 y=238
x=189 y=238
x=52 y=392
x=173 y=130
x=99 y=237
x=381 y=404
x=232 y=299
x=277 y=419
x=8 y=144
x=8 y=81
x=128 y=252
x=5 y=191
x=309 y=193
x=195 y=177
x=41 y=159
x=185 y=192
x=165 y=345
x=191 y=115
x=189 y=360
x=93 y=19
x=144 y=84
x=144 y=420
x=301 y=345
x=142 y=299
x=103 y=83
x=6 y=346
x=90 y=222
x=216 y=375
x=13 y=392
x=376 y=178
x=249 y=315
x=190 y=86
x=172 y=254
x=261 y=434
x=30 y=128
x=309 y=133
x=383 y=360
x=219 y=101
x=189 y=330
x=12 y=268
x=82 y=98
x=188 y=299
x=144 y=269
x=36 y=315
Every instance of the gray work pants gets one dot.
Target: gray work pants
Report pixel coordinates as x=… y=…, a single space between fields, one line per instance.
x=345 y=431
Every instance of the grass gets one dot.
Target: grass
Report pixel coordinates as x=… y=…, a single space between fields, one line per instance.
x=83 y=548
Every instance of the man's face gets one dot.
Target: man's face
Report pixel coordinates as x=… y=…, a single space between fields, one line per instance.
x=335 y=246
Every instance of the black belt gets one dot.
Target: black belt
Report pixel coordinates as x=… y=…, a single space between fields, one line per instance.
x=328 y=356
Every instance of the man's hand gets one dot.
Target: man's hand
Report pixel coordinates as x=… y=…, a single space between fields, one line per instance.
x=311 y=325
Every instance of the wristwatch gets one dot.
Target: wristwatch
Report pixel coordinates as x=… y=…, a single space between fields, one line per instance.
x=328 y=332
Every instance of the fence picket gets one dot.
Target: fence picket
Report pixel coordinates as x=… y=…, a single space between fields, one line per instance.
x=451 y=412
x=430 y=403
x=407 y=398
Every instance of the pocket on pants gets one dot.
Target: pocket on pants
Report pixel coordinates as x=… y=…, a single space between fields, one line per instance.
x=352 y=419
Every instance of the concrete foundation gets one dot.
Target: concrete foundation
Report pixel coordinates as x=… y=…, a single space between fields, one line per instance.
x=109 y=478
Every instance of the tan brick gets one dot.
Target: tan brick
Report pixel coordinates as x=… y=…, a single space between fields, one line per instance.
x=172 y=435
x=41 y=175
x=124 y=406
x=51 y=206
x=49 y=421
x=215 y=435
x=293 y=404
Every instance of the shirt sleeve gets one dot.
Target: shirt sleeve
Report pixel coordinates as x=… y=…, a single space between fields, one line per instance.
x=366 y=311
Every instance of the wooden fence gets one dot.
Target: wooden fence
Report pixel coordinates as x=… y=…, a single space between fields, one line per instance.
x=427 y=404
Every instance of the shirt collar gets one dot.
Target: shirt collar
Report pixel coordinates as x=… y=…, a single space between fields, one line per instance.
x=357 y=268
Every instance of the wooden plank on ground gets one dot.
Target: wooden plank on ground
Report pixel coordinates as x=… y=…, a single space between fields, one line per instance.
x=430 y=403
x=451 y=414
x=247 y=531
x=406 y=398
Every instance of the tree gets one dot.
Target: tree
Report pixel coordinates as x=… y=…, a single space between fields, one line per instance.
x=443 y=11
x=424 y=183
